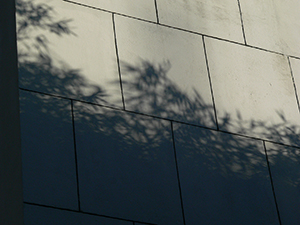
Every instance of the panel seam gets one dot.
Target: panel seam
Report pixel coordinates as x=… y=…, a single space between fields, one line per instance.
x=184 y=30
x=272 y=184
x=242 y=22
x=161 y=118
x=177 y=172
x=156 y=10
x=118 y=59
x=86 y=213
x=294 y=83
x=210 y=83
x=75 y=154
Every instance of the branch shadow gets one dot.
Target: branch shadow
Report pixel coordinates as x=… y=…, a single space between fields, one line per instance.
x=38 y=70
x=127 y=166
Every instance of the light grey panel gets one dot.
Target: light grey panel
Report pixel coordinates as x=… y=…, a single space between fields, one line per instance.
x=164 y=72
x=272 y=24
x=68 y=50
x=216 y=18
x=253 y=91
x=141 y=9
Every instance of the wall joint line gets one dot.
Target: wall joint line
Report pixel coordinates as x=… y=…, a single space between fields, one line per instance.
x=272 y=184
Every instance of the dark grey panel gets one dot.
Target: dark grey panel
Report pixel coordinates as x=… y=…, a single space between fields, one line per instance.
x=49 y=174
x=224 y=178
x=126 y=166
x=285 y=169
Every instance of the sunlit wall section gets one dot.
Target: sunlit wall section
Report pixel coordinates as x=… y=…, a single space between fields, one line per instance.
x=159 y=111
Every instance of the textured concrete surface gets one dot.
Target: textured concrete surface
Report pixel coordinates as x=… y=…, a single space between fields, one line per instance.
x=163 y=111
x=164 y=72
x=272 y=25
x=224 y=179
x=49 y=174
x=72 y=54
x=133 y=173
x=141 y=9
x=253 y=89
x=216 y=18
x=284 y=164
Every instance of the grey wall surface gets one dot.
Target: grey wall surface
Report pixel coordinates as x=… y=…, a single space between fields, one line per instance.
x=159 y=111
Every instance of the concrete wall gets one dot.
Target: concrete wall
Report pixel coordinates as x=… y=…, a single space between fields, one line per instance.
x=160 y=111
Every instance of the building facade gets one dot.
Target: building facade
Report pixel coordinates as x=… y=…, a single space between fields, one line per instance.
x=159 y=111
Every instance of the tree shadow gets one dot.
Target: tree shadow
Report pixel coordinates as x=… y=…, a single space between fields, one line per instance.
x=127 y=165
x=38 y=70
x=153 y=92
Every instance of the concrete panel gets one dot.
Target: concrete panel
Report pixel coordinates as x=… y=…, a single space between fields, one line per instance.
x=37 y=215
x=224 y=178
x=49 y=174
x=216 y=18
x=253 y=92
x=141 y=9
x=69 y=50
x=164 y=72
x=285 y=169
x=272 y=24
x=126 y=166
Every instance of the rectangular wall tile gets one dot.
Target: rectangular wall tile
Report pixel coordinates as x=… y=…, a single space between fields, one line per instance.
x=38 y=215
x=164 y=72
x=253 y=92
x=126 y=166
x=216 y=18
x=49 y=173
x=285 y=169
x=68 y=51
x=170 y=53
x=272 y=24
x=141 y=9
x=224 y=178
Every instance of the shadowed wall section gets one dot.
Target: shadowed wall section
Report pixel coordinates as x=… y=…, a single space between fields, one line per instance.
x=11 y=198
x=159 y=112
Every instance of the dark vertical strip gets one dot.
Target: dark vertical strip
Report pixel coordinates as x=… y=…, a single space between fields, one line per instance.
x=118 y=60
x=11 y=190
x=75 y=153
x=273 y=189
x=242 y=23
x=210 y=83
x=293 y=79
x=177 y=171
x=156 y=9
